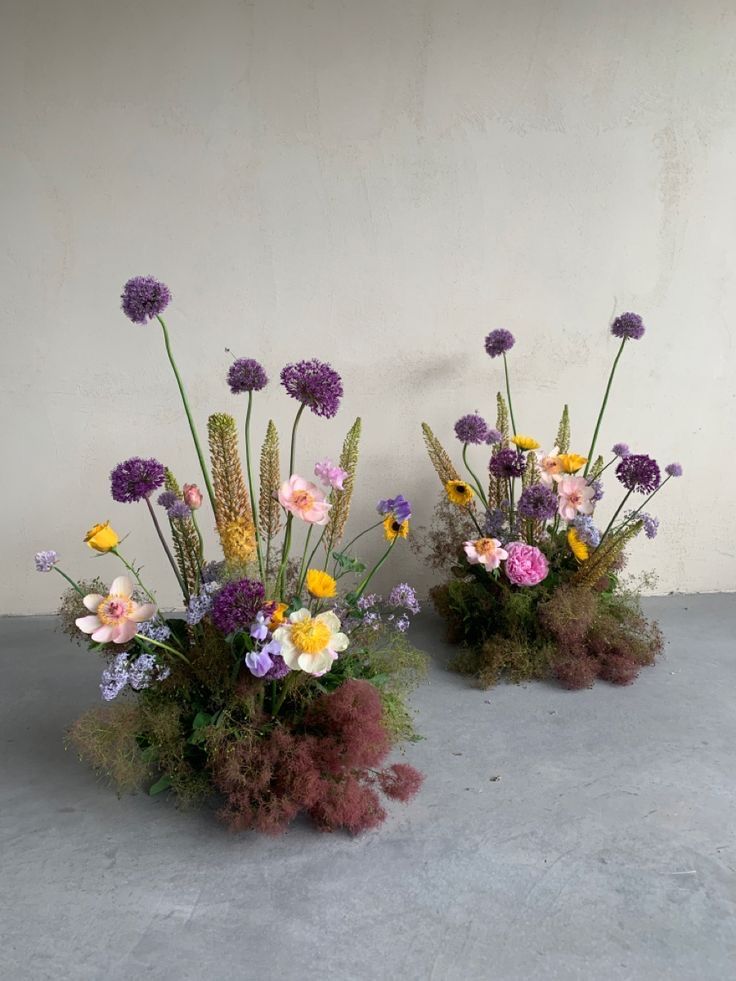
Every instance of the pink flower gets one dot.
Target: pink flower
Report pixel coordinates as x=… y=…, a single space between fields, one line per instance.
x=576 y=497
x=550 y=466
x=486 y=552
x=330 y=474
x=192 y=496
x=304 y=499
x=115 y=617
x=526 y=565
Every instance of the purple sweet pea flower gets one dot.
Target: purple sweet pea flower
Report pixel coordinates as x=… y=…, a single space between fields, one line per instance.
x=398 y=506
x=258 y=663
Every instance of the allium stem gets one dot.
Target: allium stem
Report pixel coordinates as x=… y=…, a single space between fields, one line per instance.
x=68 y=579
x=192 y=427
x=169 y=556
x=603 y=408
x=508 y=393
x=646 y=501
x=300 y=579
x=618 y=511
x=250 y=486
x=363 y=586
x=478 y=487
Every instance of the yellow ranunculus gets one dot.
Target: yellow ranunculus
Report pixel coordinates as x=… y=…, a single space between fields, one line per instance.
x=394 y=529
x=102 y=538
x=572 y=462
x=578 y=547
x=459 y=493
x=525 y=442
x=321 y=584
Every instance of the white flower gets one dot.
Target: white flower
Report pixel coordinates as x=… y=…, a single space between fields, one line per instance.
x=310 y=643
x=115 y=617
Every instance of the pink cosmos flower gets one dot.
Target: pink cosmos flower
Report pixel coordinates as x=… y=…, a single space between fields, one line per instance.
x=550 y=467
x=304 y=499
x=192 y=496
x=115 y=617
x=525 y=565
x=486 y=552
x=576 y=497
x=330 y=474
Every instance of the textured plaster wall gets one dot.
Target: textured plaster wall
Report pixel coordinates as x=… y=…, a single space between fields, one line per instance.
x=378 y=183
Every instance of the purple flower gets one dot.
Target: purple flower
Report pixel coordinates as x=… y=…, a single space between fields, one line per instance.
x=259 y=627
x=246 y=375
x=404 y=597
x=402 y=624
x=673 y=470
x=587 y=531
x=144 y=298
x=201 y=603
x=179 y=510
x=258 y=663
x=621 y=449
x=398 y=506
x=166 y=499
x=368 y=601
x=134 y=479
x=472 y=429
x=598 y=491
x=213 y=572
x=495 y=522
x=494 y=436
x=236 y=605
x=499 y=342
x=507 y=464
x=628 y=325
x=45 y=561
x=315 y=384
x=330 y=474
x=538 y=503
x=279 y=668
x=649 y=522
x=115 y=677
x=639 y=472
x=144 y=670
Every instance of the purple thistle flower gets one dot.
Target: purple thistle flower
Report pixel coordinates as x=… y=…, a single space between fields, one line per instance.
x=494 y=436
x=621 y=449
x=472 y=429
x=507 y=464
x=538 y=503
x=144 y=298
x=499 y=342
x=404 y=597
x=236 y=605
x=179 y=511
x=246 y=375
x=166 y=499
x=315 y=384
x=673 y=470
x=134 y=479
x=46 y=560
x=628 y=325
x=639 y=472
x=398 y=506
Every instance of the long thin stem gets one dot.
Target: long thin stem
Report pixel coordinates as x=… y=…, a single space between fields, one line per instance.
x=508 y=394
x=160 y=643
x=287 y=534
x=130 y=568
x=475 y=522
x=250 y=485
x=478 y=487
x=302 y=570
x=169 y=556
x=602 y=470
x=603 y=408
x=361 y=589
x=192 y=427
x=646 y=501
x=200 y=539
x=618 y=512
x=68 y=579
x=354 y=540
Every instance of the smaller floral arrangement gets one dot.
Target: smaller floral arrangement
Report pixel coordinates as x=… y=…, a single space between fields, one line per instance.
x=280 y=686
x=534 y=587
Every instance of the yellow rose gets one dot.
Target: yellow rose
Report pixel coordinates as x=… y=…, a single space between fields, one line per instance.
x=102 y=538
x=572 y=462
x=321 y=584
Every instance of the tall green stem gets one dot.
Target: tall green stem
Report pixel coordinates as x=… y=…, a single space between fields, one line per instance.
x=618 y=512
x=134 y=571
x=302 y=570
x=169 y=556
x=287 y=534
x=603 y=408
x=478 y=487
x=361 y=589
x=646 y=501
x=250 y=486
x=192 y=427
x=69 y=580
x=508 y=394
x=354 y=540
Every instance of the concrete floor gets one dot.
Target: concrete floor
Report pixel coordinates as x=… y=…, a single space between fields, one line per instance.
x=559 y=835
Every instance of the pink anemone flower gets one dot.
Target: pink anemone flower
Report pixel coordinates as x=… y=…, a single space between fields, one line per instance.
x=305 y=500
x=486 y=552
x=115 y=617
x=576 y=497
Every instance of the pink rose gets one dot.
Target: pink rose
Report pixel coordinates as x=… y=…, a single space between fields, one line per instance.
x=304 y=500
x=526 y=565
x=192 y=496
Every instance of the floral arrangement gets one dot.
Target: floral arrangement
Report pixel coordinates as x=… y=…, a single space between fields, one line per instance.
x=280 y=690
x=534 y=587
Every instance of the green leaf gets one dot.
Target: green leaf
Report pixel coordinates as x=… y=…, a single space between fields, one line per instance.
x=150 y=754
x=163 y=784
x=201 y=719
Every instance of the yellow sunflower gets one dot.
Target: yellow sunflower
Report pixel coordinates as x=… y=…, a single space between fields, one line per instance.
x=393 y=529
x=459 y=493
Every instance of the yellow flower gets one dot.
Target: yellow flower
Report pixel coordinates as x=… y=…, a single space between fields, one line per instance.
x=238 y=540
x=578 y=547
x=321 y=584
x=278 y=616
x=102 y=538
x=458 y=492
x=572 y=462
x=525 y=442
x=393 y=529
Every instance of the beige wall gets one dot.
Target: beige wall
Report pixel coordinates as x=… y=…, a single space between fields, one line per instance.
x=378 y=183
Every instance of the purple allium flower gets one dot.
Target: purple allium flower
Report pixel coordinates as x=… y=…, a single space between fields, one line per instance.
x=538 y=503
x=201 y=603
x=673 y=470
x=621 y=449
x=166 y=499
x=235 y=606
x=507 y=463
x=398 y=506
x=156 y=629
x=499 y=342
x=639 y=472
x=494 y=436
x=587 y=531
x=472 y=429
x=246 y=375
x=628 y=325
x=495 y=521
x=143 y=298
x=315 y=384
x=46 y=560
x=598 y=491
x=179 y=511
x=649 y=522
x=134 y=479
x=404 y=596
